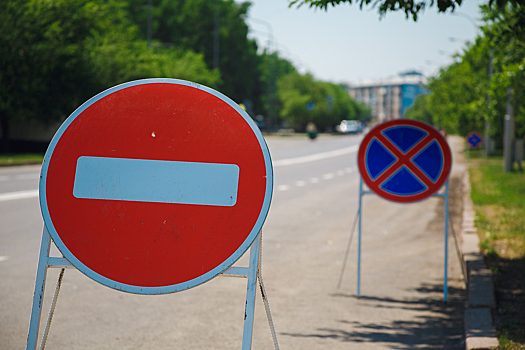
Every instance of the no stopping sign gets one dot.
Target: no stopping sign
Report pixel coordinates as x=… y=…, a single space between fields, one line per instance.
x=404 y=160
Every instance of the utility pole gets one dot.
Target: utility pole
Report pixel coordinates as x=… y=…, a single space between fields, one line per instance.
x=489 y=100
x=508 y=141
x=216 y=41
x=149 y=23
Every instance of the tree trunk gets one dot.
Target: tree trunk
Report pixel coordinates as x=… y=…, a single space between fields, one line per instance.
x=4 y=123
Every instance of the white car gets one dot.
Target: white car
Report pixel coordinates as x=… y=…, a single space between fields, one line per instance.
x=350 y=127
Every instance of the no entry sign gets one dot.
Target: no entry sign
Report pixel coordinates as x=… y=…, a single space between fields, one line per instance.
x=404 y=160
x=156 y=186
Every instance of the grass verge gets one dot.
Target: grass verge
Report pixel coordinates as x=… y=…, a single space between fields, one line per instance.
x=499 y=200
x=20 y=159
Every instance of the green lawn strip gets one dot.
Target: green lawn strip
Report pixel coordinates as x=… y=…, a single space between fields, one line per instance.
x=20 y=159
x=499 y=200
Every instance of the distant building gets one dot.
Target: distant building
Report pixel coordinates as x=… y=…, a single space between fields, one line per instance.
x=390 y=98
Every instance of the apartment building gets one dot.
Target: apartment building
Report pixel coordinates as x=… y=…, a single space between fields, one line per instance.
x=390 y=98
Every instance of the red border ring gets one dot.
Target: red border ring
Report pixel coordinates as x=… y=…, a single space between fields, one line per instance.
x=432 y=132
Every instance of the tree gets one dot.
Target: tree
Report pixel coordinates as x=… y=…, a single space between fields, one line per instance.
x=55 y=54
x=410 y=7
x=461 y=91
x=421 y=110
x=304 y=99
x=190 y=25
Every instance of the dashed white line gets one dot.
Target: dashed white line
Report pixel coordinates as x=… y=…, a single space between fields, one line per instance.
x=283 y=187
x=27 y=177
x=18 y=195
x=314 y=180
x=317 y=156
x=3 y=258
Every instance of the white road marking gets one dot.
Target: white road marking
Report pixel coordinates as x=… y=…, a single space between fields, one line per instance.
x=316 y=156
x=314 y=180
x=27 y=177
x=283 y=187
x=18 y=195
x=3 y=258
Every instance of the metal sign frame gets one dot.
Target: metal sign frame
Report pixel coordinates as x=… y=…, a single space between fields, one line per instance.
x=45 y=261
x=445 y=195
x=82 y=164
x=398 y=144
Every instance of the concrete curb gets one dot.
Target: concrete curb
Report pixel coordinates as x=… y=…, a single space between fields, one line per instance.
x=480 y=332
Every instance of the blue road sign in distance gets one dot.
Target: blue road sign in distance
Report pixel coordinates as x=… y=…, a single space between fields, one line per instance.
x=474 y=140
x=404 y=160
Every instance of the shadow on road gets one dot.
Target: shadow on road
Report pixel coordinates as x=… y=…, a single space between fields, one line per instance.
x=440 y=325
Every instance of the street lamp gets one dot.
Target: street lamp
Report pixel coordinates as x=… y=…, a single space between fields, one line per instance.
x=269 y=112
x=487 y=122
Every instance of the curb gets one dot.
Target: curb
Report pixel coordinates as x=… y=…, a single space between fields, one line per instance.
x=480 y=332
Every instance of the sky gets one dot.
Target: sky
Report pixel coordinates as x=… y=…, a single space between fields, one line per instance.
x=347 y=45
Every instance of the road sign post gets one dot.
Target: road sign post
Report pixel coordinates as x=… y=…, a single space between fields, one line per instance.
x=403 y=161
x=474 y=141
x=166 y=183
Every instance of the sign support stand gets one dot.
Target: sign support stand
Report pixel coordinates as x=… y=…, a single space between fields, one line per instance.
x=45 y=261
x=445 y=195
x=360 y=213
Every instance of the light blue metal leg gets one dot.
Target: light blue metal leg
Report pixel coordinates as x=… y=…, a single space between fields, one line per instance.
x=359 y=238
x=40 y=285
x=249 y=310
x=445 y=278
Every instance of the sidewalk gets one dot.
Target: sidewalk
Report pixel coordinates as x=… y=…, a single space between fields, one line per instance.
x=480 y=332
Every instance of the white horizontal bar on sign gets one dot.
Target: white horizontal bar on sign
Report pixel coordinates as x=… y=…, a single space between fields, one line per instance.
x=144 y=180
x=316 y=156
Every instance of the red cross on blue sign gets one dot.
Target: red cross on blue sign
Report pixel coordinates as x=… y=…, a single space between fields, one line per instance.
x=404 y=160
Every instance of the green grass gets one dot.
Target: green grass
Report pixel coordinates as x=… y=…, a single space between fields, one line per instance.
x=20 y=159
x=499 y=200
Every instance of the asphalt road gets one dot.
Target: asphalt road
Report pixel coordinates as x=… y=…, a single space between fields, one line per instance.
x=304 y=238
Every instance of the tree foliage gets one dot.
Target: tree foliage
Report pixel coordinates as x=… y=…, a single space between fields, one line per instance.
x=56 y=54
x=463 y=96
x=306 y=100
x=412 y=8
x=190 y=25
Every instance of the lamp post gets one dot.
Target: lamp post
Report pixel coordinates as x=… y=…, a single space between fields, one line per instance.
x=489 y=98
x=149 y=24
x=269 y=92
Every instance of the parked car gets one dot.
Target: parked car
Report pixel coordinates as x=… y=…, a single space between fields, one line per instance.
x=350 y=127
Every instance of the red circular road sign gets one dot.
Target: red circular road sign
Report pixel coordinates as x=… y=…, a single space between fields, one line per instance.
x=156 y=186
x=404 y=160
